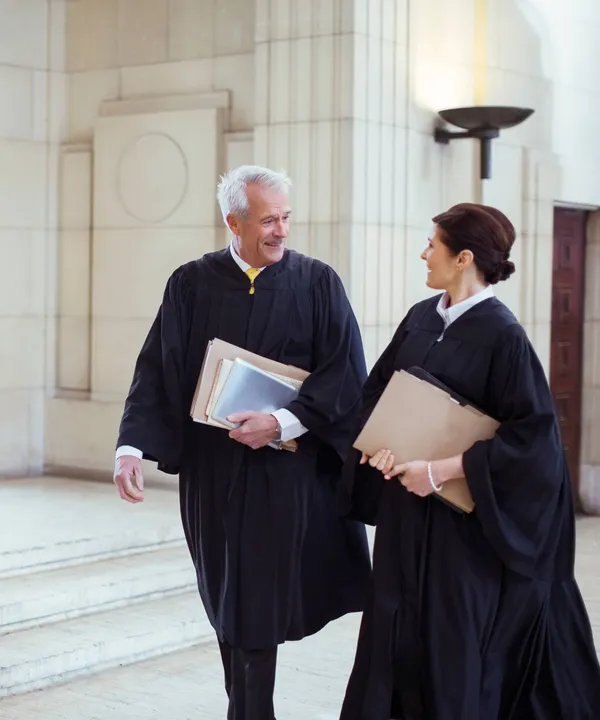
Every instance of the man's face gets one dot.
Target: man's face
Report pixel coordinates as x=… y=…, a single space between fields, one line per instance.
x=261 y=235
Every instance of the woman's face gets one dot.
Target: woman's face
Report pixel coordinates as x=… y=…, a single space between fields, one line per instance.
x=442 y=266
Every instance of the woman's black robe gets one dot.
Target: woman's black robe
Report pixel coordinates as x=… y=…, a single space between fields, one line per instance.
x=274 y=560
x=474 y=617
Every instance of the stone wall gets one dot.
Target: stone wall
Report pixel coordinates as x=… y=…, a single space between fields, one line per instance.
x=32 y=123
x=165 y=95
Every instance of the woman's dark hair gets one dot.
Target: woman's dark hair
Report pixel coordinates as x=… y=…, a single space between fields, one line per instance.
x=483 y=230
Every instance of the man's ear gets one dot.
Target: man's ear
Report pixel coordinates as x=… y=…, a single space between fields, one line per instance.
x=233 y=225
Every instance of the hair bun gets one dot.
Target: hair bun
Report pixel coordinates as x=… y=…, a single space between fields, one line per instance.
x=507 y=268
x=502 y=271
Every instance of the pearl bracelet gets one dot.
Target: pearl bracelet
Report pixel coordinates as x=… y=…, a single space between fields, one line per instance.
x=433 y=485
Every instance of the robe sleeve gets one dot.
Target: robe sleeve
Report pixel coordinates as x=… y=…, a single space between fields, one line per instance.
x=154 y=409
x=361 y=485
x=330 y=397
x=518 y=479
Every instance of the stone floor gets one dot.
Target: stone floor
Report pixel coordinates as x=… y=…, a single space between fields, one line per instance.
x=187 y=685
x=45 y=521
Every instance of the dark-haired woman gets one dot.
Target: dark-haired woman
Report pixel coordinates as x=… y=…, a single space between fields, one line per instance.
x=472 y=617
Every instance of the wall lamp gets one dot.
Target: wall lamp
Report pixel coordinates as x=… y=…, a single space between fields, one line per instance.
x=483 y=123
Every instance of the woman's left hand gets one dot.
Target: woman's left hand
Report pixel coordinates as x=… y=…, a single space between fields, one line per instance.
x=414 y=477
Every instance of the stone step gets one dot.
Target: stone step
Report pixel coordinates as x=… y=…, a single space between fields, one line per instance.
x=70 y=592
x=50 y=523
x=52 y=654
x=84 y=550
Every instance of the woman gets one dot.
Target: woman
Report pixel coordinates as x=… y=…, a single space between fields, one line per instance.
x=472 y=617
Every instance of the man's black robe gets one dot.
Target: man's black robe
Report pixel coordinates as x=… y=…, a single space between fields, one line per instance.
x=474 y=617
x=274 y=560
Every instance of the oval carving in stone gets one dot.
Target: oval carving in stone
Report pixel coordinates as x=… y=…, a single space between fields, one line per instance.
x=152 y=177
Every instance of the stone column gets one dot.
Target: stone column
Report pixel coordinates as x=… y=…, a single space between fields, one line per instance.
x=330 y=109
x=346 y=92
x=74 y=272
x=32 y=122
x=589 y=487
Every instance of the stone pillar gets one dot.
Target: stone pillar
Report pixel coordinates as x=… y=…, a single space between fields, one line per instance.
x=589 y=483
x=531 y=295
x=330 y=109
x=32 y=124
x=74 y=272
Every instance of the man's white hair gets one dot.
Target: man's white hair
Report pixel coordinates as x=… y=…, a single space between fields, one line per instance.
x=231 y=190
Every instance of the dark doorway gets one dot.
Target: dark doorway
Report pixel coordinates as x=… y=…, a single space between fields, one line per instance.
x=566 y=348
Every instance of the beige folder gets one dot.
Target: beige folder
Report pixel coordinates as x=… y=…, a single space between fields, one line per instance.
x=216 y=352
x=418 y=421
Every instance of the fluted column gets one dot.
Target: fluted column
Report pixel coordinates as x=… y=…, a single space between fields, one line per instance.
x=330 y=109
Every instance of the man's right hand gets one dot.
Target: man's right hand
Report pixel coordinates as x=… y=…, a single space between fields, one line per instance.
x=128 y=470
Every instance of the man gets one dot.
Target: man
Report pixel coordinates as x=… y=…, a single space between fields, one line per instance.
x=273 y=559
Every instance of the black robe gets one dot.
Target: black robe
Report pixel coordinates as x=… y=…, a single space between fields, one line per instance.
x=474 y=617
x=274 y=561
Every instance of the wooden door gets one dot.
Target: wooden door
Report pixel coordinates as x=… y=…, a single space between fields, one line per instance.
x=567 y=330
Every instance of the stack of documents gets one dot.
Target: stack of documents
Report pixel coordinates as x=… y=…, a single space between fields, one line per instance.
x=235 y=380
x=417 y=418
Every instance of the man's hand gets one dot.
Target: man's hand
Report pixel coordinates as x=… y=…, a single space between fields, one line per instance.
x=127 y=468
x=257 y=429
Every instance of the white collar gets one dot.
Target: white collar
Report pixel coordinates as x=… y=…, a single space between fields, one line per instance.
x=452 y=313
x=242 y=264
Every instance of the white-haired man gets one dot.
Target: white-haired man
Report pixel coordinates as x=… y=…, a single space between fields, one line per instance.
x=273 y=559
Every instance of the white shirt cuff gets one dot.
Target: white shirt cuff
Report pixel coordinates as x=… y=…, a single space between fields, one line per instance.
x=291 y=427
x=128 y=450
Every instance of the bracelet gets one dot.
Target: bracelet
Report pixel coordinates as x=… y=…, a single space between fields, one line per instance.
x=437 y=488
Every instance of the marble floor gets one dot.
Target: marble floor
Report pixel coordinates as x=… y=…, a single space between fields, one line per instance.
x=187 y=685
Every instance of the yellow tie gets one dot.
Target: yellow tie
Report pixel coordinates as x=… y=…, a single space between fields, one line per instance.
x=252 y=273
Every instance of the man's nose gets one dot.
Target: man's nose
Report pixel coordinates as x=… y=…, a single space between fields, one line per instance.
x=281 y=230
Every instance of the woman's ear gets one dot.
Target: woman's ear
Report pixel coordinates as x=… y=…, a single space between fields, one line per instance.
x=465 y=259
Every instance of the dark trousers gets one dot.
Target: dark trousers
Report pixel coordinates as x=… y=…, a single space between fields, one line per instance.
x=250 y=682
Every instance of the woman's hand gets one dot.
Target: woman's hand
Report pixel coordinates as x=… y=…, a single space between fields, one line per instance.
x=414 y=477
x=383 y=460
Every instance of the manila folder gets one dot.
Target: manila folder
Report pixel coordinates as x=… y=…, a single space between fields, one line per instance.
x=417 y=420
x=218 y=350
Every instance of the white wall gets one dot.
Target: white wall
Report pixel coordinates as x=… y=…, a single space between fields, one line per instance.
x=343 y=94
x=32 y=102
x=529 y=53
x=126 y=48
